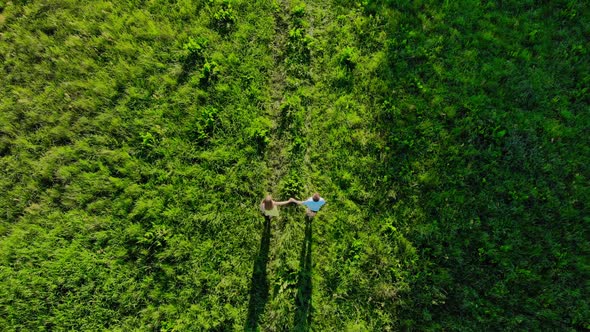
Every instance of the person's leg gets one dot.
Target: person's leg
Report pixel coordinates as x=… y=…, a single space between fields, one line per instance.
x=309 y=213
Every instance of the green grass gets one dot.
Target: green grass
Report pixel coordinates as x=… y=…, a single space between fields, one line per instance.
x=137 y=139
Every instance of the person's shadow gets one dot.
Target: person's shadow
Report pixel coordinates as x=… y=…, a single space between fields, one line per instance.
x=303 y=309
x=259 y=288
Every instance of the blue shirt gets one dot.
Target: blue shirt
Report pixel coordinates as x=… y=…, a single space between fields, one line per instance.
x=313 y=205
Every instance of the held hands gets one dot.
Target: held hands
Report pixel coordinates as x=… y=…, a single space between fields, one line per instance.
x=290 y=200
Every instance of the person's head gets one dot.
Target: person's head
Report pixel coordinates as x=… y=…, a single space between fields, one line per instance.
x=316 y=197
x=268 y=202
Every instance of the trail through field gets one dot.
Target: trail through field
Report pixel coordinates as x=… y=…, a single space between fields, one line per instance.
x=277 y=161
x=276 y=152
x=282 y=277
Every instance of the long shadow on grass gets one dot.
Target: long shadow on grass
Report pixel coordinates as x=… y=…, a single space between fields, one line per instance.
x=303 y=308
x=259 y=286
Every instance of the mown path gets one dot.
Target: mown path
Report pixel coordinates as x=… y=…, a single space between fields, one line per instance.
x=276 y=153
x=282 y=277
x=277 y=162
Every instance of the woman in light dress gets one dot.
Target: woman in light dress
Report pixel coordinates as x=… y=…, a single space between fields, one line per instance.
x=268 y=207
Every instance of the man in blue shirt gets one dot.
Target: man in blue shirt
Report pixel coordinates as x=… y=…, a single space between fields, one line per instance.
x=313 y=204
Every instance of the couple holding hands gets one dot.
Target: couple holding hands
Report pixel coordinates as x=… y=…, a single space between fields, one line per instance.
x=269 y=208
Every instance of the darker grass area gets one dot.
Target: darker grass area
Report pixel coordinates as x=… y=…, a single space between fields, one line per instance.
x=491 y=118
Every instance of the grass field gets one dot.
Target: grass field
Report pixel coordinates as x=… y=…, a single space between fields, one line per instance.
x=449 y=139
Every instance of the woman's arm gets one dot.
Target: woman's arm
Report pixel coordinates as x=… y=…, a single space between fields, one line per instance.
x=282 y=203
x=293 y=200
